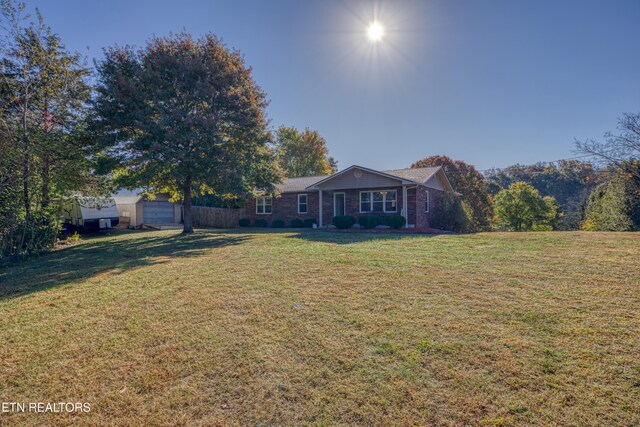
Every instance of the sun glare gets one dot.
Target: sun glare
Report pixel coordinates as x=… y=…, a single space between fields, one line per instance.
x=375 y=32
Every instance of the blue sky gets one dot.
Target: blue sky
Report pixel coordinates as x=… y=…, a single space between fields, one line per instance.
x=489 y=82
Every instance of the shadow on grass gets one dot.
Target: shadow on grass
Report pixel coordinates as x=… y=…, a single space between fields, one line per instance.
x=99 y=255
x=345 y=238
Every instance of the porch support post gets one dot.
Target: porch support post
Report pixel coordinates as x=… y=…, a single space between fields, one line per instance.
x=320 y=207
x=405 y=204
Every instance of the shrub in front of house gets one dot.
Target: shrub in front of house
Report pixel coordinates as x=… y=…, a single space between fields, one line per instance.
x=261 y=223
x=244 y=222
x=297 y=223
x=277 y=223
x=394 y=221
x=344 y=221
x=452 y=214
x=369 y=221
x=308 y=223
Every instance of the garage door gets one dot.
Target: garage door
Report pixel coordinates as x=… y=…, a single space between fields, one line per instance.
x=157 y=213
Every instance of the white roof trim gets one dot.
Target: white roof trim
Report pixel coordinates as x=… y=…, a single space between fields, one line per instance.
x=373 y=171
x=446 y=178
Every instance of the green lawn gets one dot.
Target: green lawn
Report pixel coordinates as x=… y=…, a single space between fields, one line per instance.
x=271 y=328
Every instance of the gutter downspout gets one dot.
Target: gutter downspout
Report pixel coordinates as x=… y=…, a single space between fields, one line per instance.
x=405 y=205
x=320 y=207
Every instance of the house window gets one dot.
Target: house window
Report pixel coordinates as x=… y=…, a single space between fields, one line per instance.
x=302 y=203
x=365 y=201
x=390 y=201
x=377 y=204
x=378 y=201
x=427 y=201
x=263 y=205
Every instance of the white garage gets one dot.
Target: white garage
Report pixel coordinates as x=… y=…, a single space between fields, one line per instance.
x=135 y=210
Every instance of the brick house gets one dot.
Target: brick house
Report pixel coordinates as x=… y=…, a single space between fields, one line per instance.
x=356 y=191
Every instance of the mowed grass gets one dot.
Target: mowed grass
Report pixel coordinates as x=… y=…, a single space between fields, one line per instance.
x=317 y=328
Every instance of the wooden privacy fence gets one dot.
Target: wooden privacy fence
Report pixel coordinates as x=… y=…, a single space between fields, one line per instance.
x=204 y=216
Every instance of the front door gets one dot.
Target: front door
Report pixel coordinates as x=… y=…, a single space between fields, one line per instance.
x=338 y=204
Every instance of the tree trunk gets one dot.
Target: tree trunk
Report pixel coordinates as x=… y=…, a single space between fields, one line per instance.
x=46 y=193
x=186 y=203
x=25 y=187
x=25 y=166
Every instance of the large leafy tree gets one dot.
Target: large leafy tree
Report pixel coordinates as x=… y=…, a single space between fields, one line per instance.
x=466 y=180
x=303 y=153
x=183 y=114
x=62 y=104
x=44 y=94
x=44 y=91
x=521 y=208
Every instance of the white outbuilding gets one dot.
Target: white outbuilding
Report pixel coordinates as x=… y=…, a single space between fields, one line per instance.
x=136 y=209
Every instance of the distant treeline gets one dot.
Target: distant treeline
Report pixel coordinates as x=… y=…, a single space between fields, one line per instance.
x=588 y=198
x=569 y=182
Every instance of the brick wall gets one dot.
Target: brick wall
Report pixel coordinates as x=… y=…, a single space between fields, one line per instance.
x=285 y=207
x=424 y=219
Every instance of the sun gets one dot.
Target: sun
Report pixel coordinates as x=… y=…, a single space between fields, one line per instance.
x=375 y=32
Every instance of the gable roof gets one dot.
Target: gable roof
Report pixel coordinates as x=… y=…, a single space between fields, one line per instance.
x=423 y=175
x=406 y=176
x=372 y=171
x=124 y=196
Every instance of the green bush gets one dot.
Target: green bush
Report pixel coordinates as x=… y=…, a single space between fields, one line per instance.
x=610 y=207
x=344 y=221
x=394 y=221
x=20 y=237
x=521 y=208
x=277 y=223
x=244 y=222
x=261 y=223
x=451 y=214
x=75 y=237
x=308 y=223
x=297 y=223
x=369 y=221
